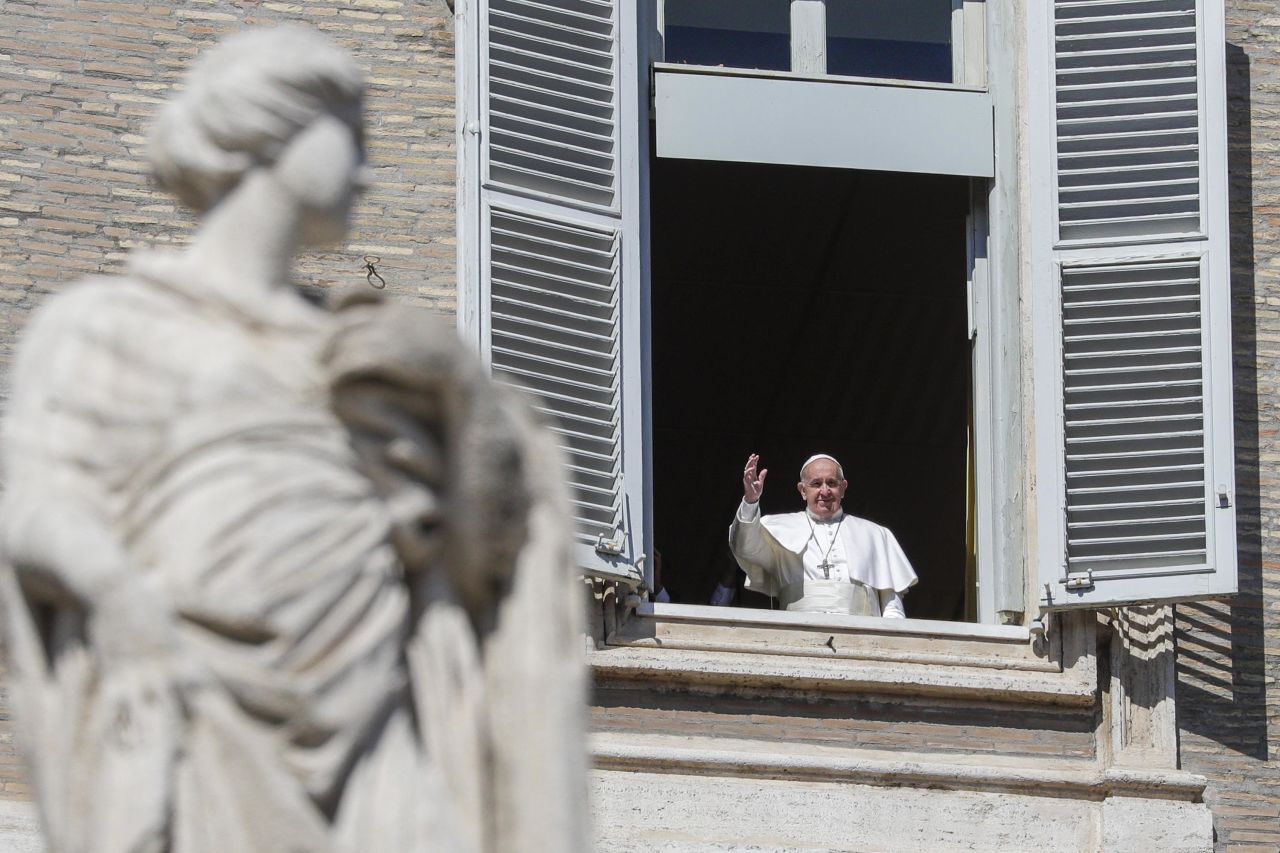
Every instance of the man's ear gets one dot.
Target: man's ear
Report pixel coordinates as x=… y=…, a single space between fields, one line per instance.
x=800 y=488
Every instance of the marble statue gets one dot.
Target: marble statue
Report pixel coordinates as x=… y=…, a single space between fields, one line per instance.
x=281 y=577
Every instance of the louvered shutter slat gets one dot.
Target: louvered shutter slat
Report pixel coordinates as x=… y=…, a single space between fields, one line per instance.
x=1133 y=70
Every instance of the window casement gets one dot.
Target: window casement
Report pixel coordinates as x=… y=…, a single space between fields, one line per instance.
x=1098 y=200
x=937 y=41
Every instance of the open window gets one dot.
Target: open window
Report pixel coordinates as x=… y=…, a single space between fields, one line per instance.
x=815 y=253
x=1122 y=132
x=795 y=311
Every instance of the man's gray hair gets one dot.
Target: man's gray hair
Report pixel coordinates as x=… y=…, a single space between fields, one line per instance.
x=245 y=99
x=815 y=457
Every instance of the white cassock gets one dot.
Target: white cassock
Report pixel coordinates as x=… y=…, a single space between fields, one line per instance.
x=842 y=565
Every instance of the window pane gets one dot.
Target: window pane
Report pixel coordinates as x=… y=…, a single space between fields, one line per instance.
x=899 y=39
x=733 y=33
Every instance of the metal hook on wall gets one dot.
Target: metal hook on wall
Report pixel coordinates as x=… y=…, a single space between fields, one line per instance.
x=371 y=272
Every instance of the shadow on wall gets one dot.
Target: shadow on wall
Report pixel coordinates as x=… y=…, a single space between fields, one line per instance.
x=1221 y=652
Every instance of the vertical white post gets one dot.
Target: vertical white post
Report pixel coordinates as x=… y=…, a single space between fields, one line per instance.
x=808 y=37
x=957 y=42
x=466 y=23
x=974 y=25
x=657 y=26
x=968 y=43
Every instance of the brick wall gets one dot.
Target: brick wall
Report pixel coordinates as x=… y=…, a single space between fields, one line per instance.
x=1229 y=652
x=79 y=83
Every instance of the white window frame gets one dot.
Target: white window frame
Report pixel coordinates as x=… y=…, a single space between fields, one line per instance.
x=994 y=316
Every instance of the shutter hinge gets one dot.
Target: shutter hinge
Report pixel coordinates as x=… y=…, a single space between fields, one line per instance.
x=612 y=546
x=1224 y=498
x=1080 y=581
x=472 y=128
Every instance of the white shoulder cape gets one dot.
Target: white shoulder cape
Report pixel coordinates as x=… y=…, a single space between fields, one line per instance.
x=875 y=557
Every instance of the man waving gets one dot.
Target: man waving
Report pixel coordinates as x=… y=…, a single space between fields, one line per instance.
x=821 y=560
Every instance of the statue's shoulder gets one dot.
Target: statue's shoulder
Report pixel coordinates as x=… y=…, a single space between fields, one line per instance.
x=77 y=305
x=72 y=325
x=380 y=338
x=91 y=297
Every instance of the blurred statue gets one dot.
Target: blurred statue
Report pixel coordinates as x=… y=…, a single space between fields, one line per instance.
x=281 y=577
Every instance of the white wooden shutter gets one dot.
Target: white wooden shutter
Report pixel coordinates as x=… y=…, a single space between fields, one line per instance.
x=1133 y=392
x=551 y=131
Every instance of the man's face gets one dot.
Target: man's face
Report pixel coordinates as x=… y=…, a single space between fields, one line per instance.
x=822 y=488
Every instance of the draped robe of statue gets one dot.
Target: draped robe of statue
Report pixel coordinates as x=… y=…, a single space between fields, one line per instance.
x=323 y=691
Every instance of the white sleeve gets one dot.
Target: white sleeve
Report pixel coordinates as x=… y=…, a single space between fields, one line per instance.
x=755 y=550
x=891 y=604
x=747 y=539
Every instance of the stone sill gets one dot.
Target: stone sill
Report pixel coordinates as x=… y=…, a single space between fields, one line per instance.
x=821 y=621
x=1047 y=777
x=739 y=648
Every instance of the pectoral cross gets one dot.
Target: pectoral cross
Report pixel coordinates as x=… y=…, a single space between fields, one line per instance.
x=825 y=565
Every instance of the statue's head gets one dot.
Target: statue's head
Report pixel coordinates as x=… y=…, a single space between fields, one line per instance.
x=283 y=99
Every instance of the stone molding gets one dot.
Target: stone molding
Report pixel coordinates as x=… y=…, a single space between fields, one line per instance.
x=1052 y=779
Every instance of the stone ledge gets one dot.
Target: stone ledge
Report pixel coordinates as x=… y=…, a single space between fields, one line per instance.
x=1077 y=780
x=833 y=636
x=864 y=624
x=743 y=670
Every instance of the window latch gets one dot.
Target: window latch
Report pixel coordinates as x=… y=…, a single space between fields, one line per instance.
x=612 y=547
x=1080 y=581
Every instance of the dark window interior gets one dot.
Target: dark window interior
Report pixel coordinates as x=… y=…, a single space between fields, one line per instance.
x=752 y=34
x=802 y=310
x=902 y=39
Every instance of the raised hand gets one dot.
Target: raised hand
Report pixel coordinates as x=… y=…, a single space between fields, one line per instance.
x=753 y=482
